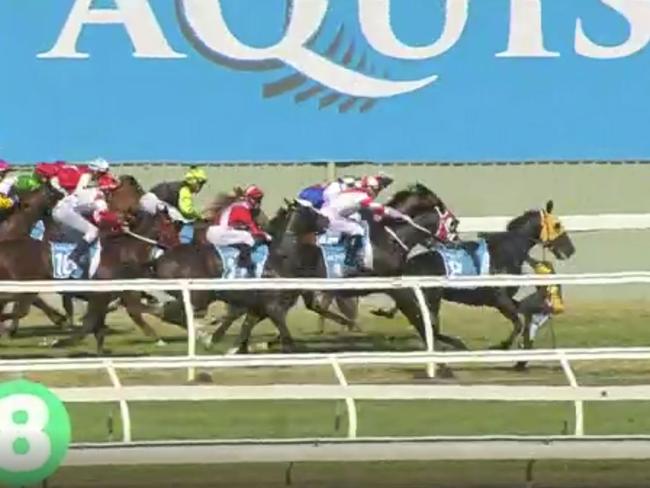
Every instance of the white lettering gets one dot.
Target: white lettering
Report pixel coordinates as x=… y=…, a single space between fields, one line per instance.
x=206 y=20
x=637 y=13
x=526 y=31
x=374 y=16
x=137 y=17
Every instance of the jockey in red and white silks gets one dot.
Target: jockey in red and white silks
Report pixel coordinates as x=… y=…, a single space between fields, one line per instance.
x=236 y=226
x=343 y=213
x=343 y=209
x=81 y=202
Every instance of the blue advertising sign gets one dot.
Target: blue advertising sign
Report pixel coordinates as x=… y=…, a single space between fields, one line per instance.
x=307 y=80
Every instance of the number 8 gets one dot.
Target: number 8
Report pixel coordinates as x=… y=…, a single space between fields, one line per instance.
x=30 y=431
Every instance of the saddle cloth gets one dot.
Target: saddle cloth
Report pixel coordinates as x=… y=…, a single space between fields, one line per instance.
x=186 y=234
x=334 y=251
x=63 y=268
x=459 y=261
x=230 y=259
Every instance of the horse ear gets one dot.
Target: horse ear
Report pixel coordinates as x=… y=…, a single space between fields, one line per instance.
x=549 y=206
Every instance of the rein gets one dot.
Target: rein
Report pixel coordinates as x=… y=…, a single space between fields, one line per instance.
x=144 y=239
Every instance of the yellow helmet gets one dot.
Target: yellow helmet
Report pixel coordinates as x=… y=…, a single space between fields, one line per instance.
x=196 y=175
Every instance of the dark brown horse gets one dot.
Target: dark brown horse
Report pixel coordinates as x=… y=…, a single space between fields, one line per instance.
x=122 y=256
x=34 y=207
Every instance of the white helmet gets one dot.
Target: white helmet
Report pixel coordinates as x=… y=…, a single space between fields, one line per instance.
x=99 y=165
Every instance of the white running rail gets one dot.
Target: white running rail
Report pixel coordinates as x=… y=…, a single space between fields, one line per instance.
x=273 y=285
x=268 y=448
x=343 y=390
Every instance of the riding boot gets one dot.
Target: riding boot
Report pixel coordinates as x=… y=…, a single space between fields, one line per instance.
x=80 y=256
x=355 y=244
x=246 y=259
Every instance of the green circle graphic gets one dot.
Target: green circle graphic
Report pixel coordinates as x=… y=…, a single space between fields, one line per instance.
x=16 y=432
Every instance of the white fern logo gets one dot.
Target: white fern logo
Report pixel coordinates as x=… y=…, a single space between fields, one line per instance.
x=337 y=76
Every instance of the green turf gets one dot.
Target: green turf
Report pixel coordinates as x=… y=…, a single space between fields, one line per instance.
x=584 y=325
x=376 y=475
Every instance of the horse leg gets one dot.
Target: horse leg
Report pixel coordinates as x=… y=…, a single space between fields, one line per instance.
x=349 y=306
x=93 y=321
x=312 y=304
x=68 y=306
x=134 y=308
x=20 y=310
x=241 y=344
x=227 y=320
x=388 y=313
x=56 y=317
x=325 y=303
x=508 y=308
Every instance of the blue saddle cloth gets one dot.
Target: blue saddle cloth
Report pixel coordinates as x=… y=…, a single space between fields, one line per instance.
x=459 y=262
x=186 y=234
x=38 y=231
x=230 y=259
x=63 y=268
x=334 y=252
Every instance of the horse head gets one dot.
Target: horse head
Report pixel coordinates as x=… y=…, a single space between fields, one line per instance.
x=159 y=227
x=541 y=226
x=418 y=200
x=126 y=197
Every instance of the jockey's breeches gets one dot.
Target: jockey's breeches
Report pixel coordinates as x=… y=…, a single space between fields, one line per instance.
x=68 y=216
x=342 y=225
x=150 y=203
x=225 y=236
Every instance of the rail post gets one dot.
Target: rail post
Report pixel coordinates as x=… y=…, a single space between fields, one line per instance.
x=125 y=414
x=428 y=328
x=349 y=401
x=191 y=329
x=578 y=404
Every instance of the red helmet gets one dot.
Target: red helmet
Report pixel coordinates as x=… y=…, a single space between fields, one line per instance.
x=254 y=192
x=48 y=170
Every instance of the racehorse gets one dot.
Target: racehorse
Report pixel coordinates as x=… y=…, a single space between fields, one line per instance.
x=409 y=201
x=35 y=206
x=122 y=256
x=390 y=240
x=191 y=261
x=508 y=251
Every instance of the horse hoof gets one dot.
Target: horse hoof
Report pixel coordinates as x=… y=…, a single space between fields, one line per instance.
x=232 y=351
x=161 y=343
x=444 y=372
x=521 y=366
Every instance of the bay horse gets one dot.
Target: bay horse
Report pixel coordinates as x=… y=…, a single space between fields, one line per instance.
x=123 y=256
x=35 y=206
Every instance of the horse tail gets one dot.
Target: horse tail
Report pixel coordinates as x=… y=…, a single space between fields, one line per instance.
x=220 y=203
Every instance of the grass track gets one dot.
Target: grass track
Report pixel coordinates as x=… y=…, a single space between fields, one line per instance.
x=584 y=325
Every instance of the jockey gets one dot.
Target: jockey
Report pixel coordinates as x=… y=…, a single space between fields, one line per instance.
x=236 y=226
x=83 y=175
x=43 y=172
x=343 y=213
x=316 y=195
x=6 y=184
x=81 y=203
x=177 y=196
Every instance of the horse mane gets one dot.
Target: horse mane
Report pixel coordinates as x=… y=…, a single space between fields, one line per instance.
x=518 y=222
x=415 y=189
x=129 y=179
x=222 y=201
